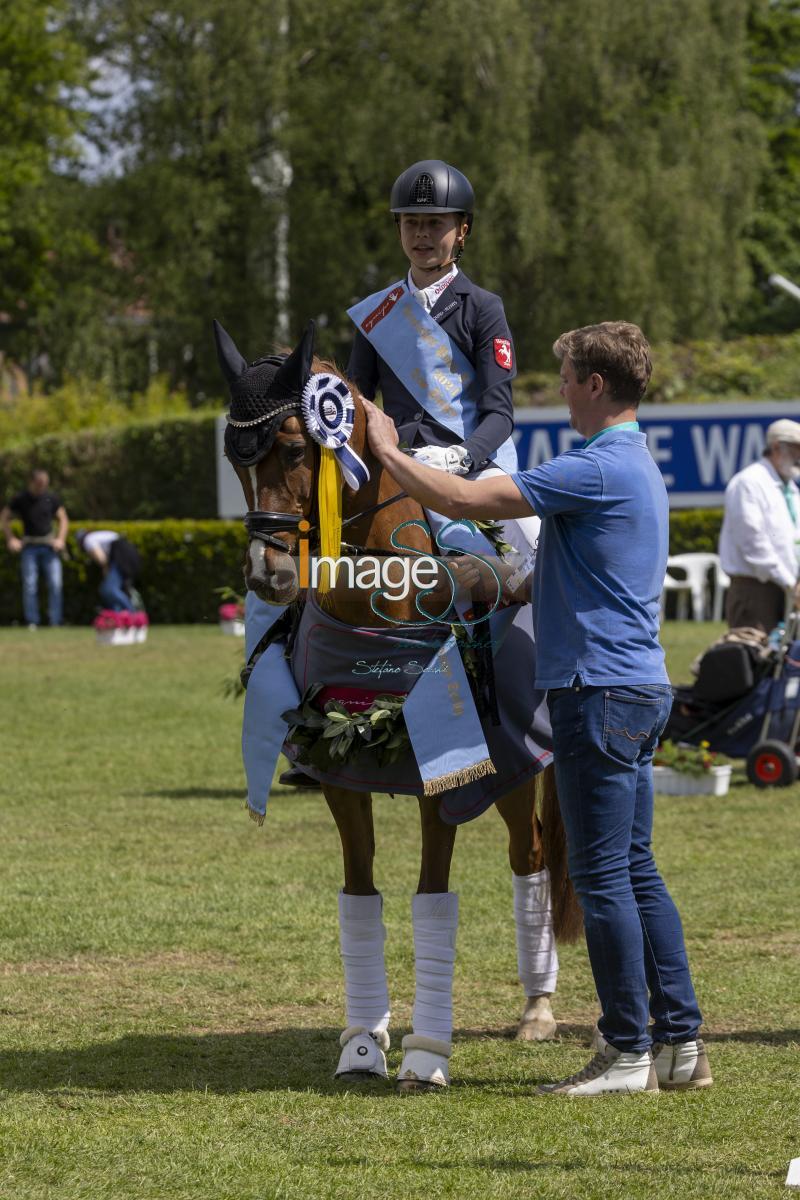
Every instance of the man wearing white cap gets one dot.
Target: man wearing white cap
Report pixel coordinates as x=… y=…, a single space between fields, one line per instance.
x=760 y=540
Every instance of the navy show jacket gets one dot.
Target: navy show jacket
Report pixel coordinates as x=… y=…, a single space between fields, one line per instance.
x=474 y=319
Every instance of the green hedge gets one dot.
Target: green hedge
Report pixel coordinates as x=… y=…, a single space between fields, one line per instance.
x=694 y=529
x=183 y=563
x=153 y=469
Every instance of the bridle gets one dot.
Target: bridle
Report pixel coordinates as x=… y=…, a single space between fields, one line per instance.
x=263 y=524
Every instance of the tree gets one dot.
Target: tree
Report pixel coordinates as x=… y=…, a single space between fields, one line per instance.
x=613 y=163
x=41 y=65
x=773 y=235
x=615 y=146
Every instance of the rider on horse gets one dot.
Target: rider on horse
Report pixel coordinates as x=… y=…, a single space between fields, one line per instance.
x=433 y=206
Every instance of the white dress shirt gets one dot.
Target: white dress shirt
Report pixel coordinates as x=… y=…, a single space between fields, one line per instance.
x=759 y=537
x=428 y=296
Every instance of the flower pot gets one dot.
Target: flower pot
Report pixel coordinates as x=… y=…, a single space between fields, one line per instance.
x=140 y=633
x=117 y=637
x=713 y=782
x=234 y=628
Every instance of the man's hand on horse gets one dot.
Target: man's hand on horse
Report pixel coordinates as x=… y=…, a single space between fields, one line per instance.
x=380 y=429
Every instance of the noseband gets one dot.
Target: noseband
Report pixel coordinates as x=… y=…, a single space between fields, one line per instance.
x=261 y=525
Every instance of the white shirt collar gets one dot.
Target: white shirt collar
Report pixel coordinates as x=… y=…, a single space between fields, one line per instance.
x=776 y=477
x=428 y=296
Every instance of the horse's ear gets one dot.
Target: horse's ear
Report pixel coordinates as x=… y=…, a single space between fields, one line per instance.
x=230 y=360
x=294 y=372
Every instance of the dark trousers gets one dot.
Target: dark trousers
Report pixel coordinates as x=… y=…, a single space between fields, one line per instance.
x=751 y=603
x=603 y=743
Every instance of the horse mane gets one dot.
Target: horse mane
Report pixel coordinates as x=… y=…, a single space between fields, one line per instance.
x=330 y=367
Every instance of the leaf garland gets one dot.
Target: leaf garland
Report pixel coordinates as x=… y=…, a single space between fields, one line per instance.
x=493 y=532
x=335 y=735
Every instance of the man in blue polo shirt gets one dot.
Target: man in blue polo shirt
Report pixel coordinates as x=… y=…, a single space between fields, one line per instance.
x=599 y=571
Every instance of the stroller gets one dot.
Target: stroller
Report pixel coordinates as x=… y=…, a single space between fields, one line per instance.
x=746 y=704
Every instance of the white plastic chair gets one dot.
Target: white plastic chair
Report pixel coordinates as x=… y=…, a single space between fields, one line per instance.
x=692 y=583
x=721 y=584
x=682 y=588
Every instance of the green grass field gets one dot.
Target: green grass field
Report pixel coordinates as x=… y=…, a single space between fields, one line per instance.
x=170 y=991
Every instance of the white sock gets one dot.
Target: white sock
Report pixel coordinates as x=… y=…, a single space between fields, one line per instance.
x=537 y=961
x=361 y=937
x=435 y=924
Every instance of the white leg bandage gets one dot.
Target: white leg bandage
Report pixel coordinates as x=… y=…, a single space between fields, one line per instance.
x=361 y=937
x=435 y=925
x=537 y=961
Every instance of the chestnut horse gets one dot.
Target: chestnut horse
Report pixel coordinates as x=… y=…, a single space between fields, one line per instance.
x=277 y=463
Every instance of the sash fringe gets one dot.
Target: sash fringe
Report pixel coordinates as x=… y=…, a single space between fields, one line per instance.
x=443 y=783
x=255 y=816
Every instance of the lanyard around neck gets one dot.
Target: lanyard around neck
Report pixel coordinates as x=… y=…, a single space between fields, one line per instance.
x=627 y=426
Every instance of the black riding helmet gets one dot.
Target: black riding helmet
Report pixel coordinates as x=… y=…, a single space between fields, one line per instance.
x=432 y=186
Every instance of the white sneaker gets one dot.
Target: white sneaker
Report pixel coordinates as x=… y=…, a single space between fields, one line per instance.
x=682 y=1066
x=610 y=1071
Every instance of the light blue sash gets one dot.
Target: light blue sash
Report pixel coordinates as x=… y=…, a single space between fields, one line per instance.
x=270 y=691
x=426 y=361
x=443 y=725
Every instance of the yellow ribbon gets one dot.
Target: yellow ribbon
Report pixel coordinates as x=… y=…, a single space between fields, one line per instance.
x=329 y=503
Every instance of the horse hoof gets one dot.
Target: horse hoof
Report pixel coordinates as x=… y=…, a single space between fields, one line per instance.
x=362 y=1077
x=537 y=1023
x=414 y=1087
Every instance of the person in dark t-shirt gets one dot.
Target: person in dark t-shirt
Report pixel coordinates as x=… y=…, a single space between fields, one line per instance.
x=39 y=548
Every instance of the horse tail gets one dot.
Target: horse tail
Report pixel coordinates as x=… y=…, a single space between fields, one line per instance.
x=567 y=912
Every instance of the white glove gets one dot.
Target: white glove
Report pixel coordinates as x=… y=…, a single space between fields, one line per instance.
x=445 y=458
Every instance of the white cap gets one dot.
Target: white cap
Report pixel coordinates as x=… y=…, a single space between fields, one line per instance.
x=783 y=431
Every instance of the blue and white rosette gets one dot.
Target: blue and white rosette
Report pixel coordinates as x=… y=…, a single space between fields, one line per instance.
x=329 y=413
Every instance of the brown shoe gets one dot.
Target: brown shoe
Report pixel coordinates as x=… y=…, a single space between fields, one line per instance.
x=682 y=1066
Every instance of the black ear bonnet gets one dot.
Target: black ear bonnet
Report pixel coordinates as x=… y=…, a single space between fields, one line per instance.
x=263 y=394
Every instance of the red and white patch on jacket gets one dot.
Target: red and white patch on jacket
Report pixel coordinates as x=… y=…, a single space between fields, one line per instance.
x=502 y=353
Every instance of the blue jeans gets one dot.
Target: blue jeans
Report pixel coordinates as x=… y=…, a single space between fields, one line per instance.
x=603 y=743
x=112 y=591
x=33 y=561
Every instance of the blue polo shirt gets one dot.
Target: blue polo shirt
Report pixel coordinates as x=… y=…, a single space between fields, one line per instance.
x=600 y=564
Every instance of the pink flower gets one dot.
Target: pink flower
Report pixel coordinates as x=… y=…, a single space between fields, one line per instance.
x=108 y=619
x=105 y=619
x=231 y=612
